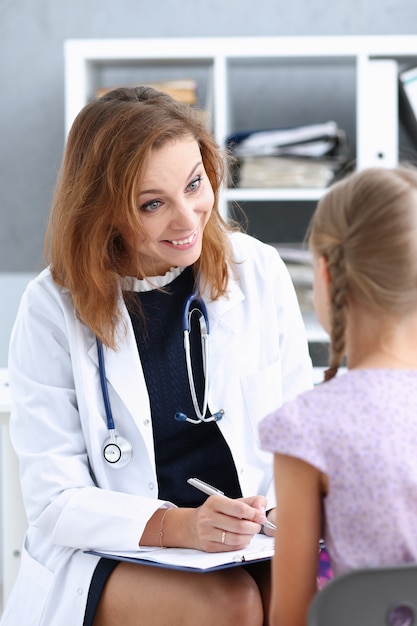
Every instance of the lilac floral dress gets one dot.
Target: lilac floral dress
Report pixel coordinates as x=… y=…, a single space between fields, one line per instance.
x=361 y=430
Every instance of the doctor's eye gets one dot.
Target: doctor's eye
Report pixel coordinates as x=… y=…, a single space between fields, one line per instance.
x=151 y=206
x=195 y=183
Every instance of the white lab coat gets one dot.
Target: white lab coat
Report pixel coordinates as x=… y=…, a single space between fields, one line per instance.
x=74 y=500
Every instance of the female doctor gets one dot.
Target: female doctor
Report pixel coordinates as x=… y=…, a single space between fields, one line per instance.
x=124 y=386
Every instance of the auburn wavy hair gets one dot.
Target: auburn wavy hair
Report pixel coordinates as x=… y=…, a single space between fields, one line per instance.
x=96 y=193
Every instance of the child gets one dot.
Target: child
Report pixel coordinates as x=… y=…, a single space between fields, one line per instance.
x=346 y=452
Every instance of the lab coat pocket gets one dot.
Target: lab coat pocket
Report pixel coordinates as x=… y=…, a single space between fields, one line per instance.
x=29 y=594
x=262 y=392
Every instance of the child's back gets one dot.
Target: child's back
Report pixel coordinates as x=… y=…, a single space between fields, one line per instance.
x=360 y=429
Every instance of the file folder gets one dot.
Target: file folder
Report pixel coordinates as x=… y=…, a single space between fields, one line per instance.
x=261 y=548
x=377 y=115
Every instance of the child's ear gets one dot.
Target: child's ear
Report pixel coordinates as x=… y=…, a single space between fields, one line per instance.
x=323 y=268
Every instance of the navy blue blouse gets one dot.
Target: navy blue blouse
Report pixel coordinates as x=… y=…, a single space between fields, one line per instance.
x=182 y=449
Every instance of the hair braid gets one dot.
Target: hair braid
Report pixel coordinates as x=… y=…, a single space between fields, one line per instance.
x=365 y=227
x=338 y=303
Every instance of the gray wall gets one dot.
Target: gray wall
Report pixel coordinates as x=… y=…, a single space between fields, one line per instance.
x=32 y=77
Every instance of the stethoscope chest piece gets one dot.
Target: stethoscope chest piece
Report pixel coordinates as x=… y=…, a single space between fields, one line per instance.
x=117 y=451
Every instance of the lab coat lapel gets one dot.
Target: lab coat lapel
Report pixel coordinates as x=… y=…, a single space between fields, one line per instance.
x=222 y=327
x=124 y=373
x=219 y=309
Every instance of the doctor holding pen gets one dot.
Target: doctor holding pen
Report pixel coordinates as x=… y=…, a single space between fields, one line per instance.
x=146 y=353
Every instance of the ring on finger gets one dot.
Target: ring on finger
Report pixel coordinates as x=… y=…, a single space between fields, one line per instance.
x=223 y=536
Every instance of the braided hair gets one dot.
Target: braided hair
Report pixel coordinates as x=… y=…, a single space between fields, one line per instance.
x=365 y=227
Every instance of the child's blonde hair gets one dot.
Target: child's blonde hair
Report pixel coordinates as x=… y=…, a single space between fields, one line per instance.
x=366 y=228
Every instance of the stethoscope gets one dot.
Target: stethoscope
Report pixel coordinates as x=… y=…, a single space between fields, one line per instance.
x=117 y=451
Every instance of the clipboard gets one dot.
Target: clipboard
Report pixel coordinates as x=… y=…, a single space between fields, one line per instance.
x=261 y=548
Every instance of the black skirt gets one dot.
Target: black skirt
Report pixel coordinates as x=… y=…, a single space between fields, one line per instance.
x=101 y=573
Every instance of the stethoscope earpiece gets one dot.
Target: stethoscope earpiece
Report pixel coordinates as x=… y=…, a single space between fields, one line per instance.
x=216 y=417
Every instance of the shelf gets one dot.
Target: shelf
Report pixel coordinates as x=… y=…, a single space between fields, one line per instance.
x=248 y=82
x=270 y=194
x=84 y=57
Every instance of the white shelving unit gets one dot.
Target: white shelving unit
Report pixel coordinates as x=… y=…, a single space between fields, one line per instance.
x=223 y=66
x=374 y=60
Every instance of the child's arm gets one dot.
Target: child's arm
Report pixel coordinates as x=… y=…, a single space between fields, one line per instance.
x=299 y=489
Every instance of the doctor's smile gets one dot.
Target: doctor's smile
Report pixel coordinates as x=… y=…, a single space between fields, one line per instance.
x=184 y=242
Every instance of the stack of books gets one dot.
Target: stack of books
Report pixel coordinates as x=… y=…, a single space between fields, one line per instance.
x=183 y=90
x=301 y=156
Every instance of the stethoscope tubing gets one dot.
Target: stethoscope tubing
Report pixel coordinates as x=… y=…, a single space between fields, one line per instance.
x=204 y=332
x=121 y=446
x=103 y=384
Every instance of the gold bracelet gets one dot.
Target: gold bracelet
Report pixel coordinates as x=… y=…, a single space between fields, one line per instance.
x=161 y=529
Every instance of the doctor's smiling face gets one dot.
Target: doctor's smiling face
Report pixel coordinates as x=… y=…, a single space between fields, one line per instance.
x=175 y=200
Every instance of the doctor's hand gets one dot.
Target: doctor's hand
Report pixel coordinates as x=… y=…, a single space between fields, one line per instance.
x=222 y=524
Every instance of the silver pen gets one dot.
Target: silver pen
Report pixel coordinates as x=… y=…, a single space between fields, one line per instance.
x=212 y=491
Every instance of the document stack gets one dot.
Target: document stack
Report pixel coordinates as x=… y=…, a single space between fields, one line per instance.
x=301 y=156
